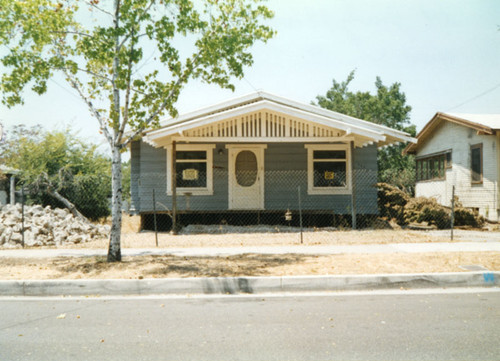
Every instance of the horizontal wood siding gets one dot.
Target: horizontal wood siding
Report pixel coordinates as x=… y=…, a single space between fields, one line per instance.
x=135 y=173
x=153 y=176
x=285 y=167
x=286 y=170
x=365 y=172
x=459 y=139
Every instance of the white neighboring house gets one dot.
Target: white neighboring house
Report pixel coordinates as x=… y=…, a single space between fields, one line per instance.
x=461 y=150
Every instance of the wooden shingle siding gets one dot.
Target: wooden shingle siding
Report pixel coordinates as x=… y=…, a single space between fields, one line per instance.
x=285 y=167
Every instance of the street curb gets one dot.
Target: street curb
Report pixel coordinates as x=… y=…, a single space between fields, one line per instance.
x=245 y=285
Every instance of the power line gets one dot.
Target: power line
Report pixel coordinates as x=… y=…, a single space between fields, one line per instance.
x=256 y=90
x=474 y=98
x=66 y=90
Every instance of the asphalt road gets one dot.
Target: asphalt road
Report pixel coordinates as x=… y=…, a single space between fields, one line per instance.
x=420 y=325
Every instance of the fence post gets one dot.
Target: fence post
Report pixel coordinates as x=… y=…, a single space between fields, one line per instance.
x=452 y=210
x=154 y=218
x=22 y=215
x=353 y=189
x=174 y=188
x=300 y=218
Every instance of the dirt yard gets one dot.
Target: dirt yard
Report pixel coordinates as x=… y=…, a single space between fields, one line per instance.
x=232 y=236
x=250 y=264
x=242 y=265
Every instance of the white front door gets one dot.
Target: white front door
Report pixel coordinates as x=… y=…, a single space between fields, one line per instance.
x=246 y=176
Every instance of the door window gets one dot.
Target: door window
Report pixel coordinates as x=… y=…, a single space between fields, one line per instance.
x=246 y=168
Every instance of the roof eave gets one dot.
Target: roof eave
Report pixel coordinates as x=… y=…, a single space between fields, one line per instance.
x=268 y=104
x=435 y=121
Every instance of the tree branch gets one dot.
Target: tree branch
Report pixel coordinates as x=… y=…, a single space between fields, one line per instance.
x=88 y=72
x=90 y=3
x=116 y=67
x=92 y=109
x=71 y=32
x=181 y=79
x=146 y=10
x=54 y=193
x=127 y=95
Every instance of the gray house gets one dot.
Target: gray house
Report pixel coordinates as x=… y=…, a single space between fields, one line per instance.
x=252 y=156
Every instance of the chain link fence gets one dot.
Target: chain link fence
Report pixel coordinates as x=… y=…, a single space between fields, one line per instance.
x=249 y=208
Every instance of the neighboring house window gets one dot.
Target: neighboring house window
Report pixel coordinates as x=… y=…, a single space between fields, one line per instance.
x=193 y=165
x=476 y=163
x=328 y=169
x=433 y=167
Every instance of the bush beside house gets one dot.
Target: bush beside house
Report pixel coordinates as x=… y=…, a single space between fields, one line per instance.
x=394 y=204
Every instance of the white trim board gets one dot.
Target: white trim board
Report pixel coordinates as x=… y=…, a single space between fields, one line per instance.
x=209 y=189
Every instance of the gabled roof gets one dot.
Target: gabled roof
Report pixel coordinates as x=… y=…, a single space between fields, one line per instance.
x=483 y=120
x=371 y=132
x=482 y=123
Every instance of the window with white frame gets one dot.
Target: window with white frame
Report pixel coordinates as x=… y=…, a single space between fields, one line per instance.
x=328 y=168
x=476 y=163
x=193 y=168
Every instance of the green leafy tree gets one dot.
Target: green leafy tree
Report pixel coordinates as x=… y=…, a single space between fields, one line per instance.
x=387 y=107
x=58 y=169
x=104 y=59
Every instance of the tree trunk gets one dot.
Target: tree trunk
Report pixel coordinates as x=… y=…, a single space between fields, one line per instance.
x=71 y=207
x=114 y=251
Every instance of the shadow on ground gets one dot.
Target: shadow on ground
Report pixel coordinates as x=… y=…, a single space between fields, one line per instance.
x=175 y=266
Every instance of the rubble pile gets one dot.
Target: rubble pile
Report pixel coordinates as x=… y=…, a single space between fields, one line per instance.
x=45 y=227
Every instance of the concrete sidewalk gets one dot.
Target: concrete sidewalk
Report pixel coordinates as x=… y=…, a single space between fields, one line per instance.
x=252 y=285
x=229 y=251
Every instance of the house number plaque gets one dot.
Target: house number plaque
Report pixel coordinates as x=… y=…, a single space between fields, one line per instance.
x=329 y=175
x=190 y=174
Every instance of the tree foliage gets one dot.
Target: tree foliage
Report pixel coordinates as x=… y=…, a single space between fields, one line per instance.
x=387 y=107
x=57 y=164
x=105 y=56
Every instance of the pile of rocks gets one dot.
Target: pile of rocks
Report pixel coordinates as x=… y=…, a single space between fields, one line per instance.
x=45 y=227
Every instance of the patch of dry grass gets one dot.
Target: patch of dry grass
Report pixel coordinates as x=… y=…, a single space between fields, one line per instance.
x=242 y=265
x=320 y=237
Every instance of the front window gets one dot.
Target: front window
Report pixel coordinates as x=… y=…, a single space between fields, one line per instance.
x=433 y=167
x=328 y=169
x=193 y=169
x=476 y=163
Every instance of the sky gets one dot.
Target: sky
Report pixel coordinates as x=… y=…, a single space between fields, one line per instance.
x=445 y=54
